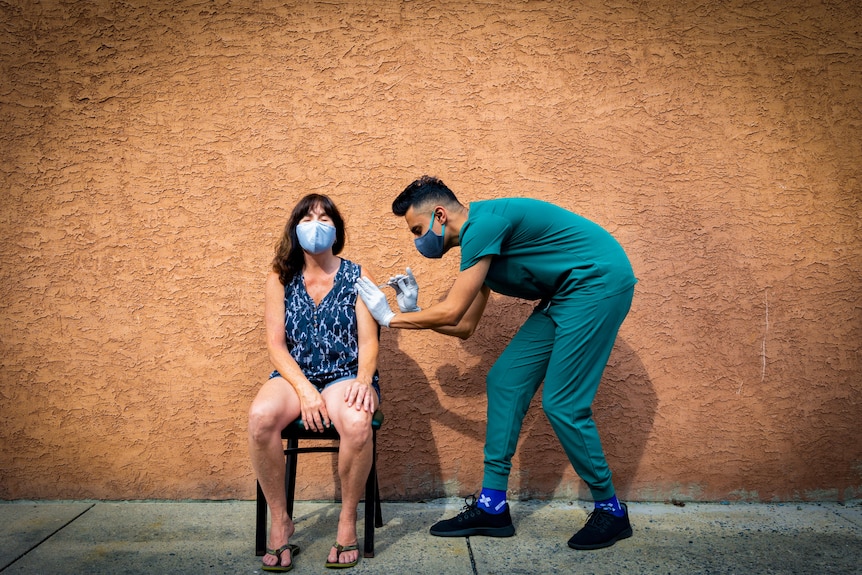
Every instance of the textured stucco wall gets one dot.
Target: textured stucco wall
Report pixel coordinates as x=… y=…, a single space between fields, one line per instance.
x=151 y=152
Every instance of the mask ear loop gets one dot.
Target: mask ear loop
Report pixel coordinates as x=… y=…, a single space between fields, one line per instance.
x=442 y=227
x=439 y=218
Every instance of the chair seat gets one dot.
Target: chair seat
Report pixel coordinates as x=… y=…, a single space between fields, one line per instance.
x=297 y=429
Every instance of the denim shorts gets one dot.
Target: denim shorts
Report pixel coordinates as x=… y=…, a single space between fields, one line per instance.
x=333 y=382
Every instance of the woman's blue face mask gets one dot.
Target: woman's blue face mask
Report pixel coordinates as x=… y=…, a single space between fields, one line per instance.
x=315 y=236
x=430 y=244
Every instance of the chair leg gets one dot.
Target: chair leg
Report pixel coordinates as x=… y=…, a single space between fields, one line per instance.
x=373 y=517
x=370 y=515
x=378 y=513
x=260 y=523
x=290 y=474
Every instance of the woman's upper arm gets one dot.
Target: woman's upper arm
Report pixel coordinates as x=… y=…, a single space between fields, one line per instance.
x=366 y=324
x=274 y=310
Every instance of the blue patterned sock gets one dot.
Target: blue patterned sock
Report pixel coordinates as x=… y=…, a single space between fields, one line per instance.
x=612 y=506
x=492 y=501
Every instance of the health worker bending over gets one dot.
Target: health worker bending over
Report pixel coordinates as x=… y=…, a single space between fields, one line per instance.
x=323 y=344
x=582 y=278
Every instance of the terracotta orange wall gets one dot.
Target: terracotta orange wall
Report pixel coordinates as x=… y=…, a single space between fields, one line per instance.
x=151 y=152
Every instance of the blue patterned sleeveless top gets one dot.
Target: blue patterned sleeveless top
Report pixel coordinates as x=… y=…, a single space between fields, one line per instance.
x=323 y=339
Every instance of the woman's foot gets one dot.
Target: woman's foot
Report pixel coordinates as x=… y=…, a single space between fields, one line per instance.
x=280 y=566
x=279 y=537
x=346 y=535
x=342 y=556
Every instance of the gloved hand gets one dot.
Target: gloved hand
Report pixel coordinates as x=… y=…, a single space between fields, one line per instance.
x=375 y=301
x=406 y=291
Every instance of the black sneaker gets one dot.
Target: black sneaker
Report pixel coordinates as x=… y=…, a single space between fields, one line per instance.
x=603 y=529
x=474 y=521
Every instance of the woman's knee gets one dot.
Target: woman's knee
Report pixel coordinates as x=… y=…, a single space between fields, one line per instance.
x=354 y=427
x=263 y=420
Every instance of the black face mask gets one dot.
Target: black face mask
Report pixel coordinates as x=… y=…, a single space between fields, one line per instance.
x=430 y=244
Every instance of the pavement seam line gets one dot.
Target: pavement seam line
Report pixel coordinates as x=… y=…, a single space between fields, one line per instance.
x=57 y=530
x=847 y=519
x=472 y=559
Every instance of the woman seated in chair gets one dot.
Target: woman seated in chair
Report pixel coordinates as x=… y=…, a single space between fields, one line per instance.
x=323 y=344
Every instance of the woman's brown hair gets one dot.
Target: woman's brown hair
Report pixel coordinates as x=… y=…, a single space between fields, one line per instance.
x=289 y=258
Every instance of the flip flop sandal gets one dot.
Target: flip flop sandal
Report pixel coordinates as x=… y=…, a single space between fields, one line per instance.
x=339 y=549
x=278 y=568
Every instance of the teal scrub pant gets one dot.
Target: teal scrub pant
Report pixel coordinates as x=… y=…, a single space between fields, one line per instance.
x=567 y=344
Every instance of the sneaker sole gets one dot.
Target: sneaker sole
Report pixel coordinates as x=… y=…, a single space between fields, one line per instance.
x=507 y=531
x=625 y=534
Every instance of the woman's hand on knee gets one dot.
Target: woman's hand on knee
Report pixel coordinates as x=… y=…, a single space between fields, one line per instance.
x=314 y=412
x=360 y=396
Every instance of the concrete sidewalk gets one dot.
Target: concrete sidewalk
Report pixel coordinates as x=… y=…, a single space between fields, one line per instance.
x=218 y=537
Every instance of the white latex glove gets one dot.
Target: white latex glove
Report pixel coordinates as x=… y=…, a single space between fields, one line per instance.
x=375 y=301
x=406 y=291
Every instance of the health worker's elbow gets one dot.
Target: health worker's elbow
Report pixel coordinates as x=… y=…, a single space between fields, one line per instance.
x=452 y=319
x=464 y=333
x=463 y=330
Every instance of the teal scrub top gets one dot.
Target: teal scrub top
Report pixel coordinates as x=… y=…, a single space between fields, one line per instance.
x=542 y=251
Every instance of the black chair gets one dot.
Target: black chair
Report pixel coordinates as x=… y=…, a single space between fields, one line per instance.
x=295 y=432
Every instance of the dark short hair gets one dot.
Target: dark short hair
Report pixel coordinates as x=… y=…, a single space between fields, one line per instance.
x=422 y=191
x=289 y=258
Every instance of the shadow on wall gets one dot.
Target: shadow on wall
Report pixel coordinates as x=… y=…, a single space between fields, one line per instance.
x=408 y=455
x=624 y=410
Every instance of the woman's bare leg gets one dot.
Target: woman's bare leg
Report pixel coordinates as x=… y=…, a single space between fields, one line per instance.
x=275 y=406
x=355 y=453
